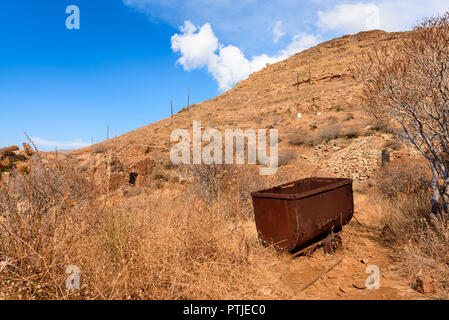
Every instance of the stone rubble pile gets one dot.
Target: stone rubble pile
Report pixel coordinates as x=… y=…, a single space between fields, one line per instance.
x=356 y=161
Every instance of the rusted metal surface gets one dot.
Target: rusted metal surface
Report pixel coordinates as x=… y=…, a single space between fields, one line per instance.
x=294 y=215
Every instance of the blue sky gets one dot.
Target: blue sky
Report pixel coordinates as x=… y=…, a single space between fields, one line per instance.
x=130 y=57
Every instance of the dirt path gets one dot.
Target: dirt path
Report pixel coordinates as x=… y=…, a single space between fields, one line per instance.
x=361 y=247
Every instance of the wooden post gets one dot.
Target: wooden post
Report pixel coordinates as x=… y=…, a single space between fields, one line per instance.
x=309 y=73
x=188 y=98
x=385 y=157
x=297 y=81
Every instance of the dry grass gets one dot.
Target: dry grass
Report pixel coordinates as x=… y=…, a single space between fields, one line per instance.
x=286 y=157
x=170 y=245
x=323 y=134
x=420 y=241
x=99 y=148
x=403 y=177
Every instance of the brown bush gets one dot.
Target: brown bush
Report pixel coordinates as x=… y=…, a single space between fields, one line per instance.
x=403 y=177
x=392 y=144
x=99 y=148
x=212 y=179
x=330 y=132
x=299 y=136
x=286 y=157
x=420 y=241
x=352 y=132
x=43 y=216
x=161 y=246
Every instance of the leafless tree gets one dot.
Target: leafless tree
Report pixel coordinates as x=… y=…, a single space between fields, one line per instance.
x=407 y=86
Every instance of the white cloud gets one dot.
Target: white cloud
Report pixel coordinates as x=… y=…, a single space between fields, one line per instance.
x=199 y=47
x=244 y=25
x=388 y=15
x=46 y=144
x=401 y=15
x=277 y=31
x=196 y=48
x=350 y=18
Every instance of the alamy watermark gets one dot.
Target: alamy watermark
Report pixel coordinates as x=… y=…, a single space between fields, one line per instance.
x=373 y=281
x=73 y=20
x=213 y=151
x=73 y=280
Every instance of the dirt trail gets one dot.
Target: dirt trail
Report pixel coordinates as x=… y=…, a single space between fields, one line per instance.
x=361 y=247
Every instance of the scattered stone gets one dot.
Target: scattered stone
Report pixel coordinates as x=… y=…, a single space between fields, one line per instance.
x=359 y=286
x=364 y=261
x=356 y=161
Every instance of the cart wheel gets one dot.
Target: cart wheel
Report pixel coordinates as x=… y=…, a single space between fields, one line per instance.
x=332 y=244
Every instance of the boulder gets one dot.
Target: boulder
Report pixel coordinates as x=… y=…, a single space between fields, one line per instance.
x=8 y=151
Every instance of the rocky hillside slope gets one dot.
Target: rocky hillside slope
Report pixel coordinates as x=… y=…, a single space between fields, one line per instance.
x=322 y=125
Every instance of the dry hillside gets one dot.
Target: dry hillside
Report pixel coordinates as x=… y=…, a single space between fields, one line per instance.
x=342 y=140
x=143 y=228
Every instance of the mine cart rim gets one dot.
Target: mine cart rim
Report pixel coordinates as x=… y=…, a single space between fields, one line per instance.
x=339 y=182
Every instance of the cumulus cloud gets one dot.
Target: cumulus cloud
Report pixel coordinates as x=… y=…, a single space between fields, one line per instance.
x=199 y=47
x=196 y=48
x=350 y=18
x=46 y=144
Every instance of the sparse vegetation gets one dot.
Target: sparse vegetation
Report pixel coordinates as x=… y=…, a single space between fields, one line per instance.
x=285 y=157
x=403 y=178
x=330 y=132
x=99 y=148
x=420 y=241
x=143 y=249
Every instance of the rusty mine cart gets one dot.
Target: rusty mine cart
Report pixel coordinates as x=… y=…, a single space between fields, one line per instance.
x=300 y=215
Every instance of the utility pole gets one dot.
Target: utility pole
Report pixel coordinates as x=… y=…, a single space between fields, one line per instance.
x=188 y=98
x=297 y=81
x=309 y=73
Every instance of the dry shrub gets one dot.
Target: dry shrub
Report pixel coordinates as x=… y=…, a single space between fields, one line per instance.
x=211 y=179
x=330 y=132
x=162 y=246
x=403 y=177
x=43 y=215
x=99 y=148
x=286 y=157
x=160 y=175
x=420 y=241
x=352 y=132
x=325 y=134
x=175 y=249
x=392 y=144
x=300 y=136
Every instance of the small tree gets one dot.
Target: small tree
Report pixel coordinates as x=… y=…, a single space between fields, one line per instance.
x=407 y=86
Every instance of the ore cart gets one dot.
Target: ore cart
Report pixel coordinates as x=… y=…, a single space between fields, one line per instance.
x=304 y=213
